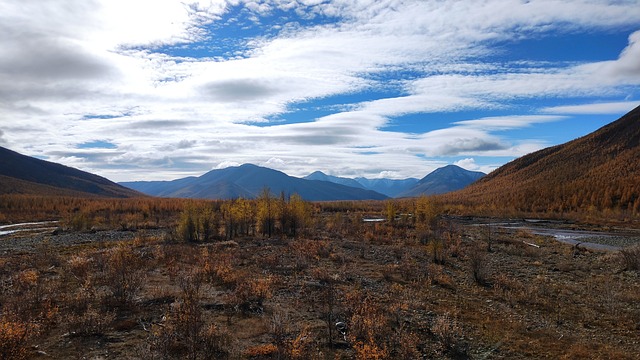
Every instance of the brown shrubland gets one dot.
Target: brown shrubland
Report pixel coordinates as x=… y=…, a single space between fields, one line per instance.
x=243 y=281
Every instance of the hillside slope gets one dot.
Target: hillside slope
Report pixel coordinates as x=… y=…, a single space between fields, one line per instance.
x=21 y=174
x=597 y=172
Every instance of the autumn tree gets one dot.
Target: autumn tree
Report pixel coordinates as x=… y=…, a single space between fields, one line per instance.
x=208 y=222
x=187 y=227
x=242 y=215
x=390 y=210
x=229 y=217
x=299 y=213
x=282 y=213
x=266 y=212
x=426 y=212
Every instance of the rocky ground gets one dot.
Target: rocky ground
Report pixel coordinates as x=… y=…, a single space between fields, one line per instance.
x=460 y=292
x=30 y=240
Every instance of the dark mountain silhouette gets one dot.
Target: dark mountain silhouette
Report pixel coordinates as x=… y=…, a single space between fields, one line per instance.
x=443 y=180
x=248 y=181
x=389 y=187
x=319 y=175
x=599 y=171
x=21 y=174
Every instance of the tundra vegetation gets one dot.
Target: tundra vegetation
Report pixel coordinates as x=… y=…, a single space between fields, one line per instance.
x=281 y=278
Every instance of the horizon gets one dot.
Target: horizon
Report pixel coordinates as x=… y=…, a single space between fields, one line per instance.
x=374 y=89
x=313 y=172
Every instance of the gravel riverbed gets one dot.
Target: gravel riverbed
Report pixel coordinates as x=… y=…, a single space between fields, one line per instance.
x=30 y=242
x=616 y=241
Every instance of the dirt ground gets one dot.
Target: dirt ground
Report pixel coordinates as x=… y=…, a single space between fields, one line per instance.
x=377 y=292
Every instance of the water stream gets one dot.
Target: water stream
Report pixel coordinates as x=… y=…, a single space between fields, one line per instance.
x=575 y=237
x=28 y=226
x=607 y=240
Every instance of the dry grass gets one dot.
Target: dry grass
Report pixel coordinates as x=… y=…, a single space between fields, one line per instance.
x=259 y=298
x=630 y=258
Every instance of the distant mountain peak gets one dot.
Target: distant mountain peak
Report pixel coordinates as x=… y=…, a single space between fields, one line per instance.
x=251 y=166
x=452 y=171
x=443 y=180
x=248 y=180
x=319 y=175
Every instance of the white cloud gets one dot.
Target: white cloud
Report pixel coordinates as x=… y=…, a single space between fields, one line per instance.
x=226 y=164
x=509 y=122
x=471 y=165
x=468 y=163
x=627 y=67
x=75 y=72
x=597 y=108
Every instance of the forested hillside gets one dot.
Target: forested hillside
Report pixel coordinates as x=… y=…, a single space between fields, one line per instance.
x=597 y=173
x=21 y=174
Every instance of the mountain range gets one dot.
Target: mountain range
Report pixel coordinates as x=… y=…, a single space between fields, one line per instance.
x=249 y=180
x=21 y=174
x=442 y=180
x=596 y=172
x=599 y=171
x=388 y=187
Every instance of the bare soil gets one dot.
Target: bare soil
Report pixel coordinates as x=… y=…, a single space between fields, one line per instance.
x=455 y=293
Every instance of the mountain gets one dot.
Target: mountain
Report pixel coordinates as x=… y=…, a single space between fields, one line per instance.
x=599 y=171
x=389 y=187
x=443 y=180
x=21 y=174
x=248 y=181
x=319 y=175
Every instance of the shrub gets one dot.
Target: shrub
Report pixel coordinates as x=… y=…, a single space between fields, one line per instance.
x=188 y=317
x=449 y=334
x=89 y=323
x=479 y=266
x=299 y=348
x=438 y=250
x=368 y=324
x=630 y=257
x=369 y=350
x=124 y=274
x=15 y=336
x=279 y=329
x=249 y=296
x=80 y=222
x=261 y=351
x=216 y=344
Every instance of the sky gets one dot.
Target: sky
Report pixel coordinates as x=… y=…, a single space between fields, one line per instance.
x=162 y=89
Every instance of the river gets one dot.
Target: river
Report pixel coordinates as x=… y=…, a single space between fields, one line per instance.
x=28 y=226
x=595 y=240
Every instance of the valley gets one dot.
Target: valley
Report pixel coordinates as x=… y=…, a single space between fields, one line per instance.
x=320 y=180
x=177 y=278
x=536 y=260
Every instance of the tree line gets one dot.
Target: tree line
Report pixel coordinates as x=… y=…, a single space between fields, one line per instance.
x=267 y=215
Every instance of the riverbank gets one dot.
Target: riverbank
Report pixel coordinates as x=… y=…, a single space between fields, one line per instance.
x=586 y=235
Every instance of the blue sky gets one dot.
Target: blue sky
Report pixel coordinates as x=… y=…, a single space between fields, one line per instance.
x=157 y=90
